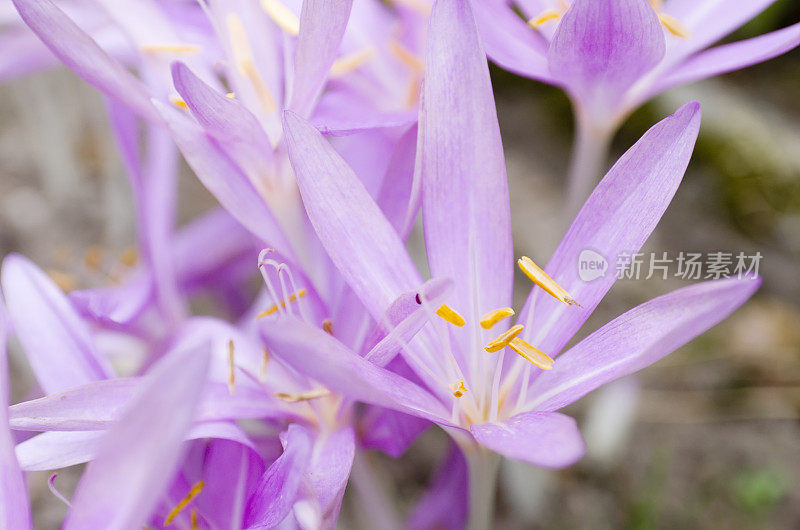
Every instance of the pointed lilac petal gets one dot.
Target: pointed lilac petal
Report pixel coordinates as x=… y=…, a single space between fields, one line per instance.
x=510 y=42
x=601 y=49
x=355 y=233
x=637 y=339
x=445 y=502
x=464 y=186
x=323 y=358
x=707 y=22
x=65 y=355
x=729 y=57
x=329 y=470
x=544 y=439
x=617 y=218
x=14 y=509
x=224 y=180
x=137 y=456
x=82 y=55
x=277 y=490
x=322 y=26
x=229 y=122
x=117 y=305
x=399 y=194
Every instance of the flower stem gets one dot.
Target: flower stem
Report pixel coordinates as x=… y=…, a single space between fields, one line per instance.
x=588 y=163
x=482 y=465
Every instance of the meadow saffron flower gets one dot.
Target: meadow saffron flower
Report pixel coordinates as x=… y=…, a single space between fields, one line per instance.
x=614 y=55
x=490 y=384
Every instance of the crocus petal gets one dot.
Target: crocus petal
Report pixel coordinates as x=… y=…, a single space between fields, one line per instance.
x=360 y=241
x=82 y=55
x=275 y=494
x=729 y=57
x=323 y=358
x=399 y=194
x=329 y=470
x=707 y=22
x=601 y=49
x=322 y=25
x=617 y=218
x=510 y=42
x=544 y=439
x=58 y=344
x=136 y=458
x=637 y=339
x=464 y=187
x=224 y=179
x=14 y=509
x=445 y=502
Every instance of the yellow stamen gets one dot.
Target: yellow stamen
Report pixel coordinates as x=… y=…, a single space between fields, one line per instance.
x=503 y=340
x=243 y=56
x=352 y=62
x=458 y=389
x=262 y=375
x=194 y=492
x=170 y=48
x=178 y=102
x=493 y=317
x=673 y=25
x=543 y=17
x=282 y=16
x=231 y=369
x=94 y=257
x=543 y=280
x=130 y=257
x=531 y=354
x=292 y=298
x=305 y=396
x=193 y=514
x=66 y=282
x=406 y=56
x=657 y=5
x=327 y=325
x=230 y=95
x=451 y=315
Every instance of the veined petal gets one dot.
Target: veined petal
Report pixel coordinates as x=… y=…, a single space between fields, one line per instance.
x=601 y=49
x=57 y=342
x=399 y=194
x=617 y=218
x=82 y=55
x=729 y=57
x=322 y=25
x=275 y=494
x=329 y=470
x=465 y=191
x=123 y=484
x=360 y=241
x=637 y=339
x=14 y=509
x=323 y=358
x=544 y=439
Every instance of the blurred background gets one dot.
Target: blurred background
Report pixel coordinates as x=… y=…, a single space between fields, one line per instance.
x=707 y=438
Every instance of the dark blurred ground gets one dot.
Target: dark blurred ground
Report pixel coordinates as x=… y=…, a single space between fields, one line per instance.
x=714 y=440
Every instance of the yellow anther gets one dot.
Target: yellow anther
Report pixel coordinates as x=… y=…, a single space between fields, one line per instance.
x=243 y=56
x=262 y=375
x=531 y=354
x=450 y=315
x=178 y=102
x=282 y=16
x=194 y=492
x=170 y=48
x=493 y=317
x=327 y=325
x=94 y=257
x=193 y=515
x=292 y=298
x=304 y=396
x=231 y=369
x=406 y=56
x=458 y=389
x=230 y=95
x=130 y=257
x=66 y=282
x=543 y=280
x=673 y=25
x=352 y=62
x=544 y=17
x=503 y=340
x=657 y=5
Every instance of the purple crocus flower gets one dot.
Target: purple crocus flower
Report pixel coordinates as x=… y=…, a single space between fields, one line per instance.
x=614 y=55
x=493 y=387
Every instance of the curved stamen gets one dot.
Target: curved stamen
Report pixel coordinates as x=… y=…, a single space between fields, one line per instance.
x=451 y=315
x=504 y=339
x=535 y=356
x=493 y=317
x=194 y=492
x=543 y=280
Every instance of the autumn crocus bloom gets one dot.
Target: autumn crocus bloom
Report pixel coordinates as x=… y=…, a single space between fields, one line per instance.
x=614 y=55
x=493 y=386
